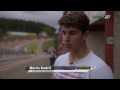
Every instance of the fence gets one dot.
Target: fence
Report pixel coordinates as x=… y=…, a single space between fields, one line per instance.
x=7 y=54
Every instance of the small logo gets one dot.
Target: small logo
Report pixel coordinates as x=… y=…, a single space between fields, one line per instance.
x=93 y=67
x=102 y=17
x=107 y=16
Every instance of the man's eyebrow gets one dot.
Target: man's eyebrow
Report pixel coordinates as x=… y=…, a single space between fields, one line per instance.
x=69 y=31
x=72 y=31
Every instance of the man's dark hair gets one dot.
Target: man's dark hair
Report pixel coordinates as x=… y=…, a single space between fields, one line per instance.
x=76 y=19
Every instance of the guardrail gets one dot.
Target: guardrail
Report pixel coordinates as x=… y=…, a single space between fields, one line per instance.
x=7 y=54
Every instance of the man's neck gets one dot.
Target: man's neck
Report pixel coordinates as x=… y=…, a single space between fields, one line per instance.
x=77 y=55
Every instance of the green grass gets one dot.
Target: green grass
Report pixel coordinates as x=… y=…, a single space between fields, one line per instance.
x=47 y=45
x=32 y=47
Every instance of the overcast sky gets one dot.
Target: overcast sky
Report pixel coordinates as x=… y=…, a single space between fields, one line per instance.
x=48 y=17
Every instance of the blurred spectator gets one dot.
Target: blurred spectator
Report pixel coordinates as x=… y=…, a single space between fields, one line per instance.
x=52 y=58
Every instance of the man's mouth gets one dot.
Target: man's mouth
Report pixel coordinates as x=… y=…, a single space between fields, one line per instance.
x=67 y=45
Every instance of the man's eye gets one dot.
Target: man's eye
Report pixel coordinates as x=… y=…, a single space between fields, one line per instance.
x=72 y=33
x=63 y=33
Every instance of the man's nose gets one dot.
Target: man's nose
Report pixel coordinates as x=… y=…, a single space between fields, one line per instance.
x=67 y=37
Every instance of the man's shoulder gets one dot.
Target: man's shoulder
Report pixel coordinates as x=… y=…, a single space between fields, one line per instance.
x=96 y=60
x=63 y=55
x=61 y=58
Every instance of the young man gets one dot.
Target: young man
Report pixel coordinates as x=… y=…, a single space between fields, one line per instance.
x=74 y=28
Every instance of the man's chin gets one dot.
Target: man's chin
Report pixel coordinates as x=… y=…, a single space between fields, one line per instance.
x=68 y=50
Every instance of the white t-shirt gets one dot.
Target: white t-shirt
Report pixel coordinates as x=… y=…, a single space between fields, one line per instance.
x=102 y=70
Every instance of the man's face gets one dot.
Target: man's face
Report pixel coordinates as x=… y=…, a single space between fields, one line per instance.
x=73 y=38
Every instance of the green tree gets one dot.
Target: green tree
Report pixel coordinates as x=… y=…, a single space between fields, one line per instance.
x=1 y=31
x=49 y=31
x=25 y=26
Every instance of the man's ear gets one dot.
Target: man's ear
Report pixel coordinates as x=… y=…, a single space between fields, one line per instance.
x=85 y=35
